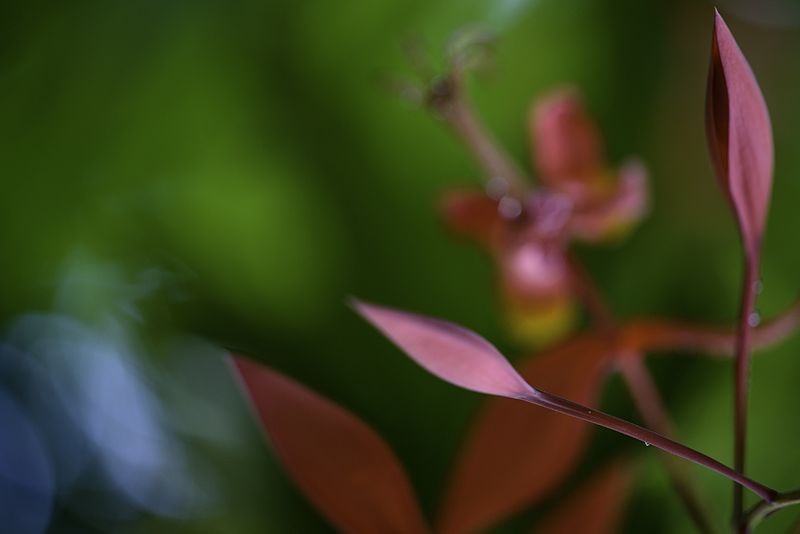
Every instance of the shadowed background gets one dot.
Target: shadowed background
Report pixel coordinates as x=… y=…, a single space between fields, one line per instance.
x=181 y=176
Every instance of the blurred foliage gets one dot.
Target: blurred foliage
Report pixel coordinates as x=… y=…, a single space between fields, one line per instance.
x=246 y=154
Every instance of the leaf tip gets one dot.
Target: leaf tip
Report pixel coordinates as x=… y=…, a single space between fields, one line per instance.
x=739 y=133
x=446 y=350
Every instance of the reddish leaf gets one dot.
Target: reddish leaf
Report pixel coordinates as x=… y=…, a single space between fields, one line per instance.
x=596 y=507
x=450 y=352
x=739 y=135
x=337 y=461
x=516 y=453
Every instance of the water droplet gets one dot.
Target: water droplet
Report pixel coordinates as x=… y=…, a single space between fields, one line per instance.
x=497 y=187
x=509 y=207
x=754 y=319
x=646 y=444
x=758 y=286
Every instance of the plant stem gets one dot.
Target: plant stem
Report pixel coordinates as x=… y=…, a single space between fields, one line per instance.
x=761 y=510
x=585 y=287
x=742 y=376
x=645 y=335
x=447 y=100
x=651 y=406
x=648 y=437
x=643 y=391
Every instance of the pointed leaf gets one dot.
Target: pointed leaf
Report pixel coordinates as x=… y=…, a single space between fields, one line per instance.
x=342 y=466
x=516 y=454
x=450 y=352
x=739 y=135
x=597 y=507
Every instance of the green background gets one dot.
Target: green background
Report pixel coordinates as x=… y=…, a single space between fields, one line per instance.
x=246 y=153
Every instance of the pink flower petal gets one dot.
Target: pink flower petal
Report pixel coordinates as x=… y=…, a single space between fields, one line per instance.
x=342 y=466
x=450 y=352
x=567 y=144
x=739 y=135
x=599 y=221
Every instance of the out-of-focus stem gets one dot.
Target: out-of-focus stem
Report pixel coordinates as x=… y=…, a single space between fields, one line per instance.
x=652 y=409
x=590 y=294
x=448 y=101
x=645 y=335
x=742 y=376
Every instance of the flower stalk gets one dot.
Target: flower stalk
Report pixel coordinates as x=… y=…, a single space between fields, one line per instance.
x=447 y=100
x=747 y=319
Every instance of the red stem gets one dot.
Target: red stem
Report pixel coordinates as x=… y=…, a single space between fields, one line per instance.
x=557 y=404
x=742 y=377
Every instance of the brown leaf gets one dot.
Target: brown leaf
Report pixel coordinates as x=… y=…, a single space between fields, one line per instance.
x=596 y=507
x=344 y=468
x=516 y=453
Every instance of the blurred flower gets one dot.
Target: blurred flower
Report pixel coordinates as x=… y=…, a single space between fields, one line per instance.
x=570 y=158
x=529 y=235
